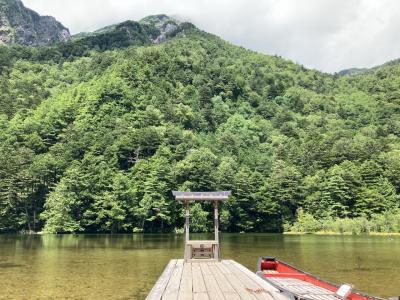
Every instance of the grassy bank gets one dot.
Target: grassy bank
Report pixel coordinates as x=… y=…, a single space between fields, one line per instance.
x=343 y=233
x=384 y=224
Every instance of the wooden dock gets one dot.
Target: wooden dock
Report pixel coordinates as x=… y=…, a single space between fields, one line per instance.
x=211 y=279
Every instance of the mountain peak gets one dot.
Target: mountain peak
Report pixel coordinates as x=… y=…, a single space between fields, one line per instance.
x=153 y=29
x=165 y=24
x=158 y=20
x=21 y=25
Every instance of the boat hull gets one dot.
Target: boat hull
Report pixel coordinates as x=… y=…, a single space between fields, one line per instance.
x=300 y=284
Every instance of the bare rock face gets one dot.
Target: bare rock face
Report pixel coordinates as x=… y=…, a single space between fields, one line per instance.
x=150 y=30
x=21 y=25
x=163 y=23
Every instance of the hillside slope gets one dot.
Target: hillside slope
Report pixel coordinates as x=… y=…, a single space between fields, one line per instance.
x=155 y=29
x=97 y=143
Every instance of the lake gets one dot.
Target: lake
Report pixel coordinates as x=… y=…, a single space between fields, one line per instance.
x=126 y=266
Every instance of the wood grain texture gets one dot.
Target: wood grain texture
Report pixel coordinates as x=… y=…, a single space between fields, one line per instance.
x=211 y=280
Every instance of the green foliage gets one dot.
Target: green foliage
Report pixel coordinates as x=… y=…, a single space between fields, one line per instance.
x=306 y=223
x=95 y=133
x=388 y=222
x=199 y=218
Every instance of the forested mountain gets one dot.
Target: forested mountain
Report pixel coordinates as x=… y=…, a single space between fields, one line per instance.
x=152 y=29
x=352 y=71
x=97 y=132
x=21 y=25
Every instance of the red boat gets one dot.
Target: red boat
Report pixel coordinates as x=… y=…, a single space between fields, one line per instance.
x=302 y=285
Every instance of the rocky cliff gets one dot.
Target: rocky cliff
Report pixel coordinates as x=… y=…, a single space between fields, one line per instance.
x=21 y=25
x=164 y=25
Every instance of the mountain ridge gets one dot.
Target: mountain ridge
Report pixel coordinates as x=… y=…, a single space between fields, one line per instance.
x=21 y=25
x=156 y=28
x=24 y=26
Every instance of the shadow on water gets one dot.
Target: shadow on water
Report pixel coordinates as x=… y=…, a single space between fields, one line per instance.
x=9 y=265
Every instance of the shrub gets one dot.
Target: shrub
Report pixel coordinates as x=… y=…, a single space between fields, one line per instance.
x=306 y=223
x=388 y=222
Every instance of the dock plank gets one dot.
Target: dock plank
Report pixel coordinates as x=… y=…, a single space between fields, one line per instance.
x=200 y=296
x=226 y=288
x=270 y=289
x=199 y=287
x=211 y=280
x=213 y=290
x=186 y=288
x=172 y=290
x=265 y=285
x=162 y=282
x=235 y=282
x=251 y=286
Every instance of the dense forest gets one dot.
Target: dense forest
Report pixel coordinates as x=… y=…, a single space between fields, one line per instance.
x=97 y=132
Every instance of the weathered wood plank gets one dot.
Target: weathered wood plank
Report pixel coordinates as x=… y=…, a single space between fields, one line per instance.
x=304 y=289
x=172 y=290
x=251 y=286
x=226 y=288
x=213 y=290
x=224 y=270
x=270 y=290
x=200 y=296
x=268 y=287
x=162 y=282
x=234 y=281
x=288 y=281
x=186 y=288
x=199 y=287
x=214 y=280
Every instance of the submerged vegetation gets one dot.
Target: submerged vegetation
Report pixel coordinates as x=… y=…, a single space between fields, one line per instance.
x=95 y=139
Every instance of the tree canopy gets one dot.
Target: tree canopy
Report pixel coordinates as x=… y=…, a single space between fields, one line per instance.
x=95 y=140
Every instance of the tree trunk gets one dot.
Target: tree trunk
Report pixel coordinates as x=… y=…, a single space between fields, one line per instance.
x=34 y=219
x=27 y=218
x=143 y=220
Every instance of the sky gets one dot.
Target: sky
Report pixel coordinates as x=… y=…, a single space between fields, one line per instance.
x=327 y=35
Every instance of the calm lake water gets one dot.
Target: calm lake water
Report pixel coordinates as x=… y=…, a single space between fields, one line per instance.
x=126 y=266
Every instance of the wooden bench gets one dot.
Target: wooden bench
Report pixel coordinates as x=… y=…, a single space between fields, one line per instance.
x=202 y=249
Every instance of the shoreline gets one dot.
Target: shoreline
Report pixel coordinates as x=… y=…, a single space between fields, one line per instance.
x=343 y=233
x=174 y=233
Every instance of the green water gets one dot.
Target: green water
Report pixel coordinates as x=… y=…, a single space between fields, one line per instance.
x=126 y=266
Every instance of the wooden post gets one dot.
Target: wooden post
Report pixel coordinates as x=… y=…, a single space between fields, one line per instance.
x=208 y=248
x=216 y=250
x=187 y=250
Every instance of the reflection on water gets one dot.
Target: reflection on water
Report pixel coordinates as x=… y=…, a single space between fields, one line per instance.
x=9 y=265
x=126 y=266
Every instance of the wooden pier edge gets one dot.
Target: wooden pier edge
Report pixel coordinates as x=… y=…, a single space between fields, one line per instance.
x=161 y=284
x=210 y=279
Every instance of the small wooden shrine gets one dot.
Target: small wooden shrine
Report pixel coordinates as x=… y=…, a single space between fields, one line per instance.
x=201 y=249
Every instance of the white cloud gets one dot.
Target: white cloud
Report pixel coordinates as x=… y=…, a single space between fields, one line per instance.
x=328 y=35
